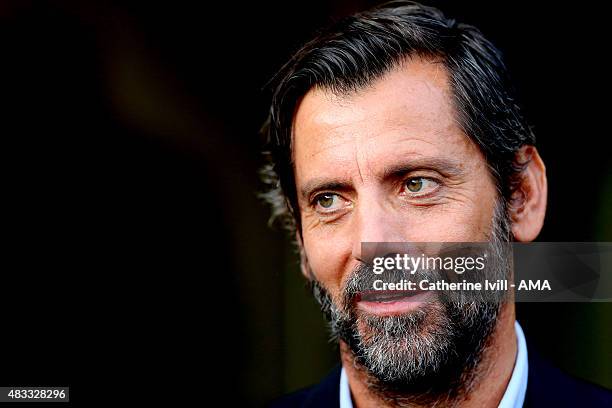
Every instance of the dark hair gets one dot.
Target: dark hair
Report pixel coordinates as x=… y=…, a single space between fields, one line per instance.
x=353 y=52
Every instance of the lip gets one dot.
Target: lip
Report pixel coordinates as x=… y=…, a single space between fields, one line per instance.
x=394 y=306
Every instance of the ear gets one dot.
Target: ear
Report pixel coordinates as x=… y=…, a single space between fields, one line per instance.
x=304 y=266
x=528 y=202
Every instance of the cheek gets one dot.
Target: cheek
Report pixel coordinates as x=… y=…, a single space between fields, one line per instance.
x=459 y=221
x=461 y=225
x=327 y=258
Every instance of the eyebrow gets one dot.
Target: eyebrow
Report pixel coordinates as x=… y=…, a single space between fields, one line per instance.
x=446 y=167
x=323 y=183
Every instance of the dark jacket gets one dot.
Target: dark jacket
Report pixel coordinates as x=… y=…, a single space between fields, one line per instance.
x=547 y=386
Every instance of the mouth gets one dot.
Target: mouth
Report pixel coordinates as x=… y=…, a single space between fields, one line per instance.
x=388 y=303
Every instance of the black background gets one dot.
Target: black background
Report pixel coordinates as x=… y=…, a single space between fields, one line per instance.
x=137 y=259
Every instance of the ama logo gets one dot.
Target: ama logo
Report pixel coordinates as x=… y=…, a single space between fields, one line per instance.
x=534 y=285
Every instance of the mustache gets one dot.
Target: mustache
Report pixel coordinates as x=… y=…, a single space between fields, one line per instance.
x=362 y=279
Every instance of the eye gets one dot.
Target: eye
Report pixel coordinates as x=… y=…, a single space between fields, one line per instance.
x=328 y=202
x=420 y=185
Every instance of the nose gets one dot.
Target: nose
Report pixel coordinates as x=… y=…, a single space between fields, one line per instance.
x=373 y=223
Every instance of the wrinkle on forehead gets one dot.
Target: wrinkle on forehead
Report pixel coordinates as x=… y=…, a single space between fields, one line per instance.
x=408 y=115
x=412 y=101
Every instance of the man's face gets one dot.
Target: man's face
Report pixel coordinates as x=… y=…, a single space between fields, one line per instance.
x=386 y=164
x=389 y=164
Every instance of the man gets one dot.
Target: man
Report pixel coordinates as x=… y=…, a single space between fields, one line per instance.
x=399 y=125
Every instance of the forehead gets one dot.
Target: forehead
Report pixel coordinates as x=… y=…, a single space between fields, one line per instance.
x=408 y=111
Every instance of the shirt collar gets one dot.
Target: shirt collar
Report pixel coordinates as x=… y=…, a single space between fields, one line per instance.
x=515 y=392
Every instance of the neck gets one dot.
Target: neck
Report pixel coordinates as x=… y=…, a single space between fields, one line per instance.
x=491 y=375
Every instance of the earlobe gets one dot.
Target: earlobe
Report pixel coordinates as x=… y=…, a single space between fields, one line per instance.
x=528 y=202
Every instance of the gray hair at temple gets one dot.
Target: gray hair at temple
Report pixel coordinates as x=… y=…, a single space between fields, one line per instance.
x=355 y=51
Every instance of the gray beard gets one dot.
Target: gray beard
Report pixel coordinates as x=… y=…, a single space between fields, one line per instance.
x=426 y=357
